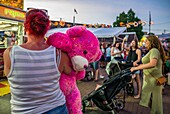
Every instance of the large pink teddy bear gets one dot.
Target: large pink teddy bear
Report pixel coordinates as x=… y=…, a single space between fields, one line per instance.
x=83 y=48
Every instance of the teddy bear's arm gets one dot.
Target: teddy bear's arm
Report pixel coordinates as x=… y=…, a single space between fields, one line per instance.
x=80 y=75
x=60 y=41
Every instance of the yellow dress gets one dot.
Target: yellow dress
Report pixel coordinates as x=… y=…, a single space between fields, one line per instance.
x=152 y=93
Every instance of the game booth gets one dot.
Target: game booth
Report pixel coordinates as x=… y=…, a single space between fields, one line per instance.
x=11 y=29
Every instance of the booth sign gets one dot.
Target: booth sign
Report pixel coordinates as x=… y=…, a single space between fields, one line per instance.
x=13 y=14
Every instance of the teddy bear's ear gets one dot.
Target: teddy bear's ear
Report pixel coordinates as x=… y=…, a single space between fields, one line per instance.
x=75 y=31
x=60 y=41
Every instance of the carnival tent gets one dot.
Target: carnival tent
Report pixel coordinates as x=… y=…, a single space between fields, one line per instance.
x=164 y=36
x=98 y=32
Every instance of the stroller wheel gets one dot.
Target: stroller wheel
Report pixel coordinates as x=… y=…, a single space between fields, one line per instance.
x=130 y=89
x=119 y=104
x=86 y=103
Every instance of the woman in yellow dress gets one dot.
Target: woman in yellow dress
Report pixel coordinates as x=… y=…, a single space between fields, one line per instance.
x=152 y=69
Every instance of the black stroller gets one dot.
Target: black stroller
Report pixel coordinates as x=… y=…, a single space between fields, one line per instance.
x=113 y=68
x=105 y=96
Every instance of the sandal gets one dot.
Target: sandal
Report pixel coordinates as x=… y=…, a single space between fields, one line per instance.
x=137 y=96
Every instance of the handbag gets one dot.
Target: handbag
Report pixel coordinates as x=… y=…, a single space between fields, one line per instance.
x=161 y=80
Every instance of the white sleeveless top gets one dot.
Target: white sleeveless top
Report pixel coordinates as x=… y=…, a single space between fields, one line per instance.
x=34 y=81
x=116 y=51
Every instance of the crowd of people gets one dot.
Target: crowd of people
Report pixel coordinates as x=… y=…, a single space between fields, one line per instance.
x=39 y=92
x=147 y=62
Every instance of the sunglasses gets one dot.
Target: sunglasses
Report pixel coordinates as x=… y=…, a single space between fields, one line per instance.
x=44 y=11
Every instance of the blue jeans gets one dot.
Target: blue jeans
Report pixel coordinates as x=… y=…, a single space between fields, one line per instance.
x=58 y=110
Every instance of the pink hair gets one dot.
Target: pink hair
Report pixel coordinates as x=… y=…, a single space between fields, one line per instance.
x=37 y=22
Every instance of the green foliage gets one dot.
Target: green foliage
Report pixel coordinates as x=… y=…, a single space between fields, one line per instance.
x=130 y=17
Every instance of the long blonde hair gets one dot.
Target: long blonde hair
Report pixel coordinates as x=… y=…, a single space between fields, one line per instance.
x=156 y=43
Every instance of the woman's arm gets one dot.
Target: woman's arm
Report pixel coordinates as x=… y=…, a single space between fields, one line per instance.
x=123 y=45
x=112 y=51
x=65 y=64
x=151 y=64
x=7 y=61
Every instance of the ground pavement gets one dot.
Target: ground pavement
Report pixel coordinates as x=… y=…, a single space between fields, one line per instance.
x=131 y=106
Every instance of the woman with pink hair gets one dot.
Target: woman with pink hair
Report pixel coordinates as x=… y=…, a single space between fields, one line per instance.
x=33 y=70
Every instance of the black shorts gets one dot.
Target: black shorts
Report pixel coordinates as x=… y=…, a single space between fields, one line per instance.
x=102 y=58
x=108 y=59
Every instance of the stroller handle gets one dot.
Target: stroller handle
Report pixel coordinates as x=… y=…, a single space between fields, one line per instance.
x=127 y=72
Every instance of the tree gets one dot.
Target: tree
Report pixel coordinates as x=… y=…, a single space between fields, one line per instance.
x=132 y=23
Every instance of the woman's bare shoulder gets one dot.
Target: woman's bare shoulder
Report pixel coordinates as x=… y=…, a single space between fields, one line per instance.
x=112 y=48
x=138 y=50
x=7 y=51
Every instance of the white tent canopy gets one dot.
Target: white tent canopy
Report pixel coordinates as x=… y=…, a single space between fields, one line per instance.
x=128 y=34
x=98 y=32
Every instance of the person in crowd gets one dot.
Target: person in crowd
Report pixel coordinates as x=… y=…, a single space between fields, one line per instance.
x=33 y=70
x=152 y=69
x=144 y=51
x=108 y=53
x=102 y=59
x=96 y=70
x=134 y=57
x=125 y=54
x=116 y=51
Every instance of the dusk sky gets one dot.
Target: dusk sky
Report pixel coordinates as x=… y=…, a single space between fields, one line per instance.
x=106 y=11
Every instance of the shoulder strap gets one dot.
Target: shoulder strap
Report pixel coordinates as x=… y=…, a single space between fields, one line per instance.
x=58 y=56
x=11 y=55
x=150 y=75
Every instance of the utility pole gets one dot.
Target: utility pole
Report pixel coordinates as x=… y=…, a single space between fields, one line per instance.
x=74 y=17
x=149 y=22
